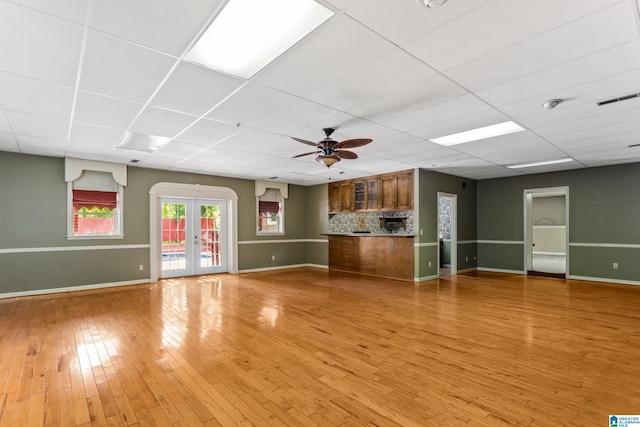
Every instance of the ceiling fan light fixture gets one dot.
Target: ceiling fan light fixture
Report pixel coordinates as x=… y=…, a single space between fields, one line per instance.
x=432 y=4
x=328 y=161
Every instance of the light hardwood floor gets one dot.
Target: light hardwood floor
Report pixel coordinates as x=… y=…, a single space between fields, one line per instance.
x=312 y=347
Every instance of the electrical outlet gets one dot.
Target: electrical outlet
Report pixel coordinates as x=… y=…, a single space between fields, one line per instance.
x=615 y=265
x=429 y=263
x=141 y=267
x=466 y=259
x=273 y=257
x=421 y=231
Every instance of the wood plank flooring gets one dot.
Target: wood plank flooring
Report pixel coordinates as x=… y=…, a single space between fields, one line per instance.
x=312 y=347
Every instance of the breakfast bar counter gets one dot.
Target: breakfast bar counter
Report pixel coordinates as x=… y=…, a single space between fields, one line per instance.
x=383 y=255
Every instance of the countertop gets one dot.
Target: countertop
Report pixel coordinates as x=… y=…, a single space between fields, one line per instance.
x=368 y=234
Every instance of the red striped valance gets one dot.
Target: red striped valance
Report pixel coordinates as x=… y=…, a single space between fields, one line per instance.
x=94 y=199
x=268 y=208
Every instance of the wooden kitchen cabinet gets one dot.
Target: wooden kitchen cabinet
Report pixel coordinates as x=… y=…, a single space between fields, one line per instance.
x=393 y=191
x=348 y=196
x=335 y=197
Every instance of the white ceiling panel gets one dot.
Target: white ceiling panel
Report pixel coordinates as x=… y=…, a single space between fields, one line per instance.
x=38 y=126
x=466 y=38
x=195 y=89
x=251 y=103
x=297 y=116
x=384 y=75
x=105 y=111
x=308 y=66
x=82 y=134
x=374 y=70
x=71 y=10
x=117 y=68
x=159 y=122
x=35 y=96
x=558 y=46
x=8 y=142
x=183 y=149
x=402 y=22
x=38 y=45
x=409 y=99
x=168 y=26
x=208 y=132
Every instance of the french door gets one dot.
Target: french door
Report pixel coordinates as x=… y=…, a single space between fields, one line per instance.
x=193 y=237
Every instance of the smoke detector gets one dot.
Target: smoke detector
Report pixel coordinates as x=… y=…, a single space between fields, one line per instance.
x=432 y=4
x=552 y=103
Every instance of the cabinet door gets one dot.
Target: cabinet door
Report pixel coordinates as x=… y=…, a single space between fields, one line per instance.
x=360 y=195
x=405 y=191
x=335 y=197
x=347 y=197
x=389 y=192
x=373 y=194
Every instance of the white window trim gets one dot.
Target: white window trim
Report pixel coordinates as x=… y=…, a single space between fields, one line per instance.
x=73 y=169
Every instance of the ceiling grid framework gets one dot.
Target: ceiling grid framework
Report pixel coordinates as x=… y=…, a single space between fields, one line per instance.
x=76 y=75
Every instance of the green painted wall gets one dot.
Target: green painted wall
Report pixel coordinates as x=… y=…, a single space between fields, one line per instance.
x=317 y=223
x=429 y=184
x=604 y=208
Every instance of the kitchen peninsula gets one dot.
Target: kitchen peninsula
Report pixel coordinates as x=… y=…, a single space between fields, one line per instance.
x=384 y=255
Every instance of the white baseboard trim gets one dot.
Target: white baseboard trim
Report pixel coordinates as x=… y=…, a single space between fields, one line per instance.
x=72 y=288
x=605 y=280
x=281 y=267
x=425 y=278
x=500 y=270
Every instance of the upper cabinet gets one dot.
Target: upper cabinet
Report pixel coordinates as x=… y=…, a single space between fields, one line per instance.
x=392 y=191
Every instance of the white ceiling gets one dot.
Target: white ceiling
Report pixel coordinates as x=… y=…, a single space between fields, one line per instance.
x=75 y=75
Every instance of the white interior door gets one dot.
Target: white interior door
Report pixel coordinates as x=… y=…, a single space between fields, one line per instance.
x=193 y=237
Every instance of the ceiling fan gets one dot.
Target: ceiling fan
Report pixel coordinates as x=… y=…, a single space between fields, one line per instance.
x=330 y=151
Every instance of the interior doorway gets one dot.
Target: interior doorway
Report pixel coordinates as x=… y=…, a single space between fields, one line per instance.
x=547 y=231
x=447 y=234
x=193 y=237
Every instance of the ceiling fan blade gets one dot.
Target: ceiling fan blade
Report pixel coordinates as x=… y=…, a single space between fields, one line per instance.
x=304 y=141
x=353 y=143
x=344 y=154
x=305 y=154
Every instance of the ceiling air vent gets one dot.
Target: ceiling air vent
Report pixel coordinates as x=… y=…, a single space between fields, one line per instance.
x=622 y=98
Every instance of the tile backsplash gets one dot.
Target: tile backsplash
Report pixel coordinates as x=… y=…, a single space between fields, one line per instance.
x=370 y=221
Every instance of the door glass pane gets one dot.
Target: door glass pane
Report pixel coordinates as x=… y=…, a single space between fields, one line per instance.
x=210 y=247
x=173 y=236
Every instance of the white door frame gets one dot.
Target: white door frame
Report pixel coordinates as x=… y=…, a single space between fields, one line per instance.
x=528 y=227
x=454 y=230
x=191 y=191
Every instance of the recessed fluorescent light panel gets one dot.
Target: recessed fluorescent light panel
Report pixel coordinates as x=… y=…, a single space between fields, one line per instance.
x=249 y=34
x=140 y=142
x=548 y=162
x=478 y=134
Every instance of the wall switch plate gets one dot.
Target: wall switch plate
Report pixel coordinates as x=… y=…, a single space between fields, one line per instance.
x=615 y=265
x=429 y=263
x=273 y=257
x=141 y=267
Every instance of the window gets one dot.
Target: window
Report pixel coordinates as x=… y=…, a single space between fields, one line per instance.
x=95 y=206
x=271 y=212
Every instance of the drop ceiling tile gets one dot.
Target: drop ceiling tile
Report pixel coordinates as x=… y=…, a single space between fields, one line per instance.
x=577 y=145
x=116 y=68
x=38 y=126
x=182 y=149
x=105 y=111
x=194 y=89
x=35 y=96
x=309 y=65
x=119 y=155
x=599 y=132
x=208 y=132
x=72 y=10
x=448 y=110
x=397 y=145
x=550 y=168
x=159 y=122
x=217 y=154
x=384 y=75
x=340 y=4
x=603 y=120
x=41 y=146
x=4 y=123
x=460 y=124
x=251 y=140
x=41 y=46
x=157 y=160
x=561 y=45
x=250 y=104
x=87 y=135
x=558 y=79
x=90 y=152
x=168 y=26
x=401 y=22
x=297 y=116
x=466 y=38
x=8 y=142
x=409 y=99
